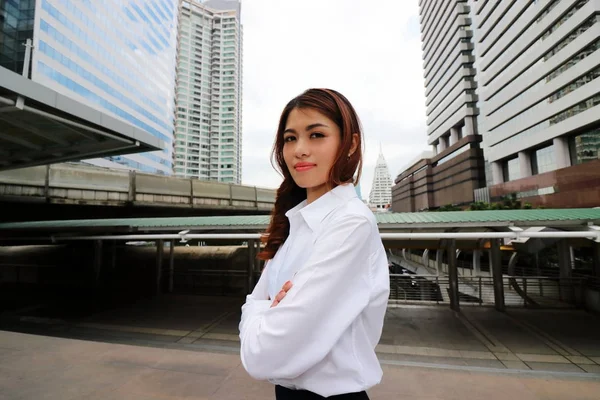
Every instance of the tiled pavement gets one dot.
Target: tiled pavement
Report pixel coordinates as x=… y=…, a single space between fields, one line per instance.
x=42 y=367
x=190 y=350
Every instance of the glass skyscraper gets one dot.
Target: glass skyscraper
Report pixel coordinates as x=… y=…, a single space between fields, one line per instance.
x=16 y=26
x=117 y=56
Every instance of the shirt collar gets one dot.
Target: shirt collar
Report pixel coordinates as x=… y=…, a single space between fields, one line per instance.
x=316 y=211
x=294 y=210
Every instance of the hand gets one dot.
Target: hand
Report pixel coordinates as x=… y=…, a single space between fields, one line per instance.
x=287 y=286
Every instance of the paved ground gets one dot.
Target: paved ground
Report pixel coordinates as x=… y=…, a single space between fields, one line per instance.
x=42 y=367
x=544 y=340
x=187 y=347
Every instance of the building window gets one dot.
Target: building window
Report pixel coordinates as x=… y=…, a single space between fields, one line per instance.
x=574 y=35
x=511 y=170
x=543 y=160
x=576 y=109
x=453 y=155
x=585 y=147
x=582 y=54
x=574 y=85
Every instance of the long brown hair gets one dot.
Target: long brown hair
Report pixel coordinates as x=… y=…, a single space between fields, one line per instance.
x=337 y=108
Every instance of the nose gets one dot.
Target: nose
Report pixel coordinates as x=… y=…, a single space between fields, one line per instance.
x=301 y=149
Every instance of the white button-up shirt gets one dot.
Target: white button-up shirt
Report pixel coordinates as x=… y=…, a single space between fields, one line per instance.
x=322 y=336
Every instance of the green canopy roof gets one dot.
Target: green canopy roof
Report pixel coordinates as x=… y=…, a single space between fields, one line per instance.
x=396 y=221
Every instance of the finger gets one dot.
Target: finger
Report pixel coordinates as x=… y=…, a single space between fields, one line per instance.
x=287 y=286
x=280 y=296
x=274 y=303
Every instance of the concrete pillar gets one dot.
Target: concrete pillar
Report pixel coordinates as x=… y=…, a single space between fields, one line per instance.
x=160 y=248
x=453 y=276
x=497 y=174
x=97 y=264
x=113 y=254
x=469 y=128
x=442 y=145
x=251 y=259
x=453 y=136
x=564 y=258
x=171 y=264
x=438 y=261
x=563 y=157
x=525 y=164
x=496 y=267
x=477 y=262
x=564 y=264
x=435 y=149
x=596 y=258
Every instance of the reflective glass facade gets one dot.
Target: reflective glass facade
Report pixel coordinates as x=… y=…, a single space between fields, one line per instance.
x=585 y=147
x=16 y=26
x=543 y=160
x=117 y=56
x=512 y=170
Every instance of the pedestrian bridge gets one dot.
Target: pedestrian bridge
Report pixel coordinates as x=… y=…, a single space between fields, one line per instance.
x=76 y=184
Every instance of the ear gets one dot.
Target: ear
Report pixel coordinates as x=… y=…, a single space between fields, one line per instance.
x=354 y=145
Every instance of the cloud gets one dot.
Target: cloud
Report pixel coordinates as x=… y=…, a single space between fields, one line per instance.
x=370 y=52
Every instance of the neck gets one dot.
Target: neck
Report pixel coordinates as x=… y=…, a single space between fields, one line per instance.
x=314 y=193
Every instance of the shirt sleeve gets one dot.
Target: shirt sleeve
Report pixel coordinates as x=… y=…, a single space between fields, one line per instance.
x=328 y=294
x=257 y=301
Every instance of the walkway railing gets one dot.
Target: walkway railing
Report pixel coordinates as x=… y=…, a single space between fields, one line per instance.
x=539 y=291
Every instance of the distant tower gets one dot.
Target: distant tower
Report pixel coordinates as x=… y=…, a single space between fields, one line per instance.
x=381 y=190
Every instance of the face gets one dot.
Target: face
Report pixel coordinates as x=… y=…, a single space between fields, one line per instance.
x=311 y=142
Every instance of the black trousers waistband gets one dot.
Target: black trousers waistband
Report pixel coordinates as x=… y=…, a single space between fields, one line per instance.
x=283 y=393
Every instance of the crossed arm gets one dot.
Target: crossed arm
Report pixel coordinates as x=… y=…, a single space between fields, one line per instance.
x=308 y=318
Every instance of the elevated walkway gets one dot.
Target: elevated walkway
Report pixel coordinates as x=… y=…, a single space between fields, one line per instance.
x=544 y=291
x=79 y=185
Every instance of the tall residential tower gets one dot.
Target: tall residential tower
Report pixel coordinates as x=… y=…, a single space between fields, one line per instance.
x=209 y=91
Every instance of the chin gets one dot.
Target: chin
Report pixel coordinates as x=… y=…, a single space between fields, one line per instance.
x=302 y=184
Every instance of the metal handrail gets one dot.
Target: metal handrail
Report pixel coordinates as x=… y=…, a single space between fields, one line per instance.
x=587 y=234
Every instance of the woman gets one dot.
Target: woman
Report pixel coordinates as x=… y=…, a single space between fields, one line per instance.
x=314 y=318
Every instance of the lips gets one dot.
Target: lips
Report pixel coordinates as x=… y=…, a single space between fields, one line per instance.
x=303 y=166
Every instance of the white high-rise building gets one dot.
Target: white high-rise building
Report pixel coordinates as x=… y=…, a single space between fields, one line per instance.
x=539 y=64
x=381 y=190
x=208 y=137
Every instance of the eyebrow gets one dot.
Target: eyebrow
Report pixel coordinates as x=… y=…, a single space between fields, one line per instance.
x=308 y=128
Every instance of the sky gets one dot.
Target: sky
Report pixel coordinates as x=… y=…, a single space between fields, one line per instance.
x=370 y=51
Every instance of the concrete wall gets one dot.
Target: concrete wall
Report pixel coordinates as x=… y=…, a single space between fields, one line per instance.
x=435 y=182
x=68 y=269
x=572 y=187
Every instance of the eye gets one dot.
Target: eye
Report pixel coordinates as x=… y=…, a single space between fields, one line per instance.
x=317 y=135
x=288 y=139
